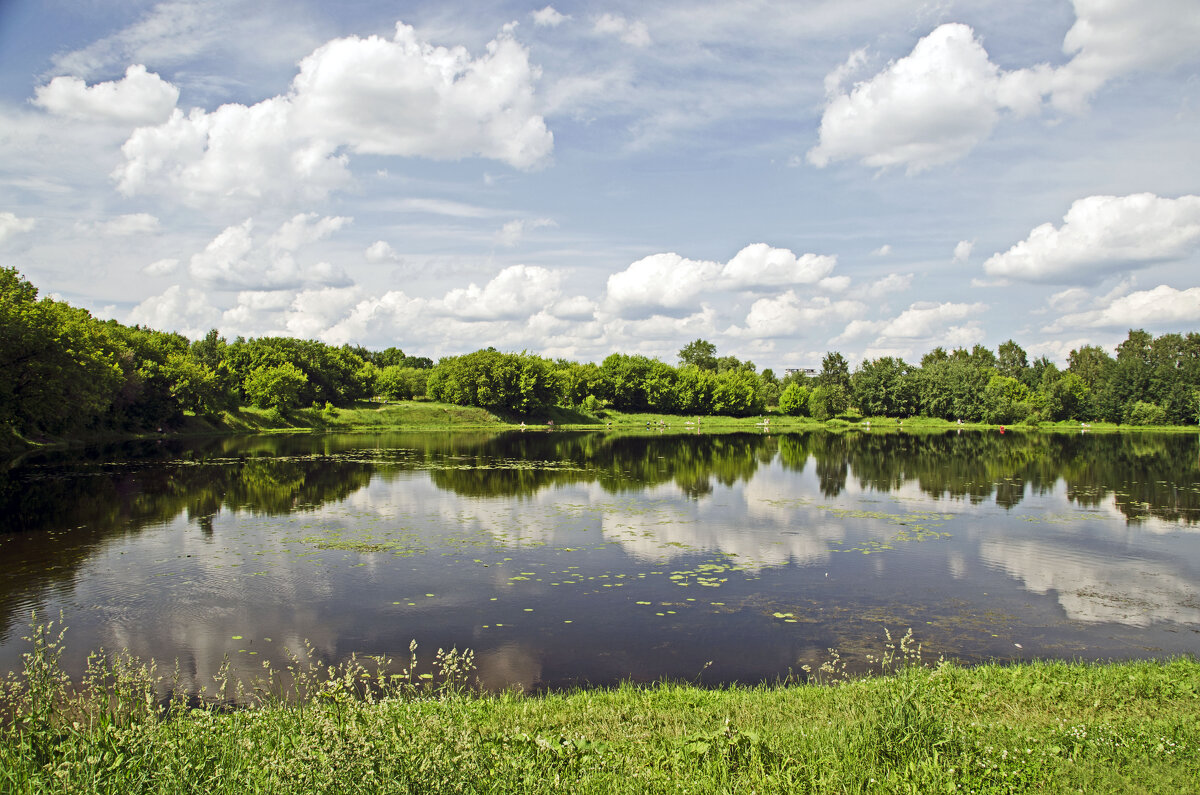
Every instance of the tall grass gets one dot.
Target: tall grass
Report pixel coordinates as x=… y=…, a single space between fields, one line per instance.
x=373 y=726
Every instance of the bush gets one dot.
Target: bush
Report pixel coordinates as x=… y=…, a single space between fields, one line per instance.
x=794 y=400
x=1142 y=413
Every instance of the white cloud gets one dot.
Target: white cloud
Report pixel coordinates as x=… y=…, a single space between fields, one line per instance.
x=890 y=285
x=518 y=291
x=381 y=251
x=408 y=97
x=234 y=152
x=926 y=320
x=402 y=97
x=789 y=315
x=1164 y=306
x=962 y=250
x=511 y=233
x=1104 y=234
x=313 y=312
x=162 y=267
x=666 y=281
x=233 y=259
x=1113 y=37
x=921 y=327
x=882 y=251
x=186 y=310
x=11 y=225
x=937 y=103
x=760 y=265
x=928 y=108
x=669 y=281
x=301 y=230
x=548 y=17
x=632 y=33
x=123 y=225
x=140 y=97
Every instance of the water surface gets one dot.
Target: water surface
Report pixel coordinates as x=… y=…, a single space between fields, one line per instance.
x=565 y=558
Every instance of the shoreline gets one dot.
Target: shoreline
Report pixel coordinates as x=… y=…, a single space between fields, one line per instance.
x=419 y=415
x=1035 y=726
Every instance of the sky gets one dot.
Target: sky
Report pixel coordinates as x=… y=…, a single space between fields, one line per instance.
x=874 y=177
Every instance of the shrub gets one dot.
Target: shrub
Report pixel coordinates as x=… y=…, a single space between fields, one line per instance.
x=1142 y=413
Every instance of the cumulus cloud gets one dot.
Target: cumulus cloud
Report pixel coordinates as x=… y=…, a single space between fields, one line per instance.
x=928 y=108
x=234 y=259
x=937 y=103
x=760 y=265
x=140 y=97
x=162 y=267
x=790 y=315
x=186 y=310
x=11 y=225
x=400 y=96
x=962 y=250
x=548 y=17
x=515 y=292
x=921 y=327
x=381 y=251
x=1164 y=306
x=1104 y=234
x=669 y=281
x=632 y=33
x=1113 y=37
x=890 y=285
x=924 y=320
x=882 y=251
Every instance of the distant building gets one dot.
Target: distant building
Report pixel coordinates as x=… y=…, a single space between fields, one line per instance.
x=807 y=372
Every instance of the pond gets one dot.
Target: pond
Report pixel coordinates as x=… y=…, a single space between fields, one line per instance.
x=565 y=558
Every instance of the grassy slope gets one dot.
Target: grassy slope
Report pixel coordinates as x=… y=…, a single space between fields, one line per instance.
x=1042 y=727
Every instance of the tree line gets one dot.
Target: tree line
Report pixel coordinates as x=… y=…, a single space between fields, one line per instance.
x=64 y=371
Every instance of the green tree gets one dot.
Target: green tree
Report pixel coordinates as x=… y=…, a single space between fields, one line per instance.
x=884 y=387
x=277 y=387
x=794 y=400
x=60 y=367
x=699 y=353
x=1012 y=361
x=1004 y=399
x=835 y=372
x=826 y=402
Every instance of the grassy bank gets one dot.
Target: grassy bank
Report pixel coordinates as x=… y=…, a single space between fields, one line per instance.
x=420 y=415
x=1041 y=727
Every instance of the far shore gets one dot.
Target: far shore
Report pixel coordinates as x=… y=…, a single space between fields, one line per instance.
x=423 y=415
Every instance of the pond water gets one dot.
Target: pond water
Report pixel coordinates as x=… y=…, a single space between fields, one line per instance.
x=568 y=558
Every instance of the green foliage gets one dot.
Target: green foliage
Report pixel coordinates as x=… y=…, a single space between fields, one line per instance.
x=699 y=353
x=377 y=725
x=885 y=387
x=1005 y=399
x=60 y=369
x=401 y=383
x=1142 y=413
x=794 y=400
x=516 y=383
x=828 y=401
x=275 y=387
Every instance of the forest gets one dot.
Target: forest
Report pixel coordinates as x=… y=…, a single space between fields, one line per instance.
x=63 y=372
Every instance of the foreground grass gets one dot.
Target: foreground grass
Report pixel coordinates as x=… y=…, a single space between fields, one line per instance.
x=1040 y=727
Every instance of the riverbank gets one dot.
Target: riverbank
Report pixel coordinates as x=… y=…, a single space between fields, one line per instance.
x=1043 y=726
x=422 y=415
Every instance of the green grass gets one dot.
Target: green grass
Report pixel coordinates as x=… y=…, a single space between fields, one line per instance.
x=1039 y=727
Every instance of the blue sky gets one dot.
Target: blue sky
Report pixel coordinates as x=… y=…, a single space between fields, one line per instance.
x=876 y=177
